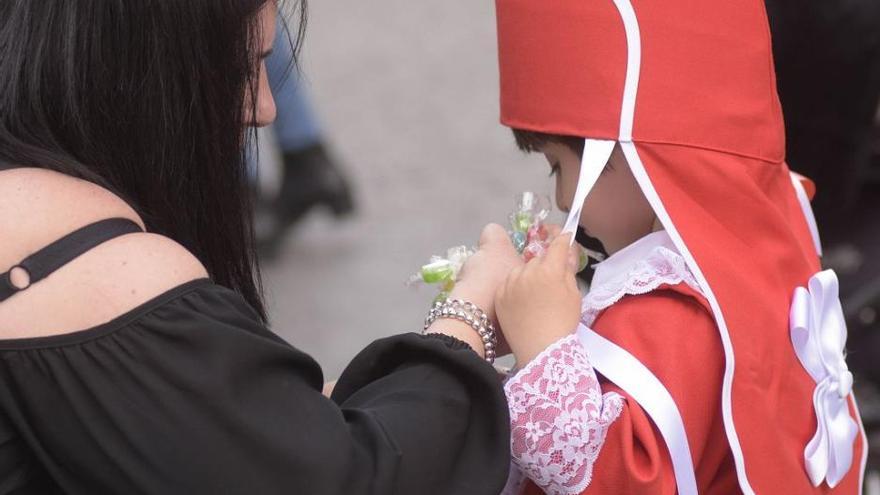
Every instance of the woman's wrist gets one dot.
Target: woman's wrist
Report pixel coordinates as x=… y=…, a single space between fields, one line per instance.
x=474 y=326
x=461 y=331
x=483 y=299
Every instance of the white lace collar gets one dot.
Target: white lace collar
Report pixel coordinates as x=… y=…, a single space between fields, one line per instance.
x=639 y=268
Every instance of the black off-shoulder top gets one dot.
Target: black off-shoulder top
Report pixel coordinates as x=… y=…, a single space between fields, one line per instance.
x=190 y=393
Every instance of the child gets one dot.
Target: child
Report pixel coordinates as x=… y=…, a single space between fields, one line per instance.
x=709 y=353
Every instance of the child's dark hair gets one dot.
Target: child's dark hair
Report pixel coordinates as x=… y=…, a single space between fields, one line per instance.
x=532 y=141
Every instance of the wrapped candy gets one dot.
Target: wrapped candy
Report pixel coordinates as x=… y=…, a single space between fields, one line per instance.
x=443 y=272
x=528 y=234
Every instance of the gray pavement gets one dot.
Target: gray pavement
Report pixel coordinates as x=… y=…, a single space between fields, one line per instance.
x=407 y=93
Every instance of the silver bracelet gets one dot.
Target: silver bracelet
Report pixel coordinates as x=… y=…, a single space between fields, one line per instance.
x=469 y=313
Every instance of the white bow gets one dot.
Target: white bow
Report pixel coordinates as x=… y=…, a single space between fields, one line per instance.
x=818 y=332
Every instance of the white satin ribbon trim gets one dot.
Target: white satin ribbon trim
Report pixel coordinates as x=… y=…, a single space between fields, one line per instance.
x=595 y=157
x=818 y=333
x=625 y=370
x=804 y=200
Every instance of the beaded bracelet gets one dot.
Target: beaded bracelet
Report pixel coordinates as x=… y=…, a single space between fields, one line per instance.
x=469 y=313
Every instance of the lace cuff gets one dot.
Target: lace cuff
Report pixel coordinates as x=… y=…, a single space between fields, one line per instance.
x=559 y=418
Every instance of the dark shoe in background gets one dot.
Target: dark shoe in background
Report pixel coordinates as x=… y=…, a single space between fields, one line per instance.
x=311 y=180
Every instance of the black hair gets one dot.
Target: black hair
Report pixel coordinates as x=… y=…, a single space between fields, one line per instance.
x=145 y=98
x=533 y=141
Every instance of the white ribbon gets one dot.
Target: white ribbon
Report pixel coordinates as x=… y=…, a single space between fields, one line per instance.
x=804 y=201
x=593 y=161
x=627 y=372
x=818 y=332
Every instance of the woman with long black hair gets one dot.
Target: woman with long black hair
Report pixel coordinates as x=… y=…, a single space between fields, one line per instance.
x=134 y=355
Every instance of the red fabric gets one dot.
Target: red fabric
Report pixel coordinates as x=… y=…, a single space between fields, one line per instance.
x=673 y=333
x=708 y=129
x=755 y=248
x=706 y=81
x=545 y=79
x=809 y=186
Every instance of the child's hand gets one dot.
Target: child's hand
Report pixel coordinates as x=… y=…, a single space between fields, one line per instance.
x=540 y=302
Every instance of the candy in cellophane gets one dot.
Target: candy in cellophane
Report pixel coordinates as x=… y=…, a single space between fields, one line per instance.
x=528 y=234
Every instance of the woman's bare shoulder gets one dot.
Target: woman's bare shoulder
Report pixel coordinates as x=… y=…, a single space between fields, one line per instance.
x=38 y=207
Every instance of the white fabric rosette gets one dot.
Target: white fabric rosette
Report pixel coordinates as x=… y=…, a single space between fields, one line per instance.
x=818 y=332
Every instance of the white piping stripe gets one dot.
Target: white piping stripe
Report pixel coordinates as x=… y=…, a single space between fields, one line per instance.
x=633 y=67
x=628 y=373
x=644 y=180
x=804 y=200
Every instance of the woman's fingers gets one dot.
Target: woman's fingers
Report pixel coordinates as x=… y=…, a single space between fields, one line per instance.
x=493 y=234
x=496 y=240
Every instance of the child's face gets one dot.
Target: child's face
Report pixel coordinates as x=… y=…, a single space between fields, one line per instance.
x=616 y=212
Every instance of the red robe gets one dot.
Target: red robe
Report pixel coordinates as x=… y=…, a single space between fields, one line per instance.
x=671 y=331
x=686 y=89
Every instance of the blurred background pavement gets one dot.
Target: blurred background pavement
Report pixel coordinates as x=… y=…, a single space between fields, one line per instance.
x=407 y=96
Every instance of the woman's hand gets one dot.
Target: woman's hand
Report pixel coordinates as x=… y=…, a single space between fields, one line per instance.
x=487 y=269
x=540 y=302
x=480 y=278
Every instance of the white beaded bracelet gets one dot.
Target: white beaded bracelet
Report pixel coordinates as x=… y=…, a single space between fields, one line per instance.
x=469 y=313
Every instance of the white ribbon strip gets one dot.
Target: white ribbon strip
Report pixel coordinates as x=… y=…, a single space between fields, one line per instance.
x=804 y=200
x=628 y=373
x=595 y=157
x=818 y=333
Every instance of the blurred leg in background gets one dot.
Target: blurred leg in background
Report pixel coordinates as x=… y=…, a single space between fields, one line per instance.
x=310 y=178
x=827 y=57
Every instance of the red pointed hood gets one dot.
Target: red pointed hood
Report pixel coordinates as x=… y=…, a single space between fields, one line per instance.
x=688 y=89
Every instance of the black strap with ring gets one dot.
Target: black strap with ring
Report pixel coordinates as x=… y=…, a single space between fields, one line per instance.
x=41 y=264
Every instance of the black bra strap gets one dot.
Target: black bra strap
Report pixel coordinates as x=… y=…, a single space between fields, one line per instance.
x=52 y=257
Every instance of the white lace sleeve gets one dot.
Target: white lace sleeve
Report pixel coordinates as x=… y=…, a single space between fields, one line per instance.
x=559 y=418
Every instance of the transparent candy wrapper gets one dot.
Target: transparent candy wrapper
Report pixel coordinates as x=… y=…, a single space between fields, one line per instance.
x=528 y=233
